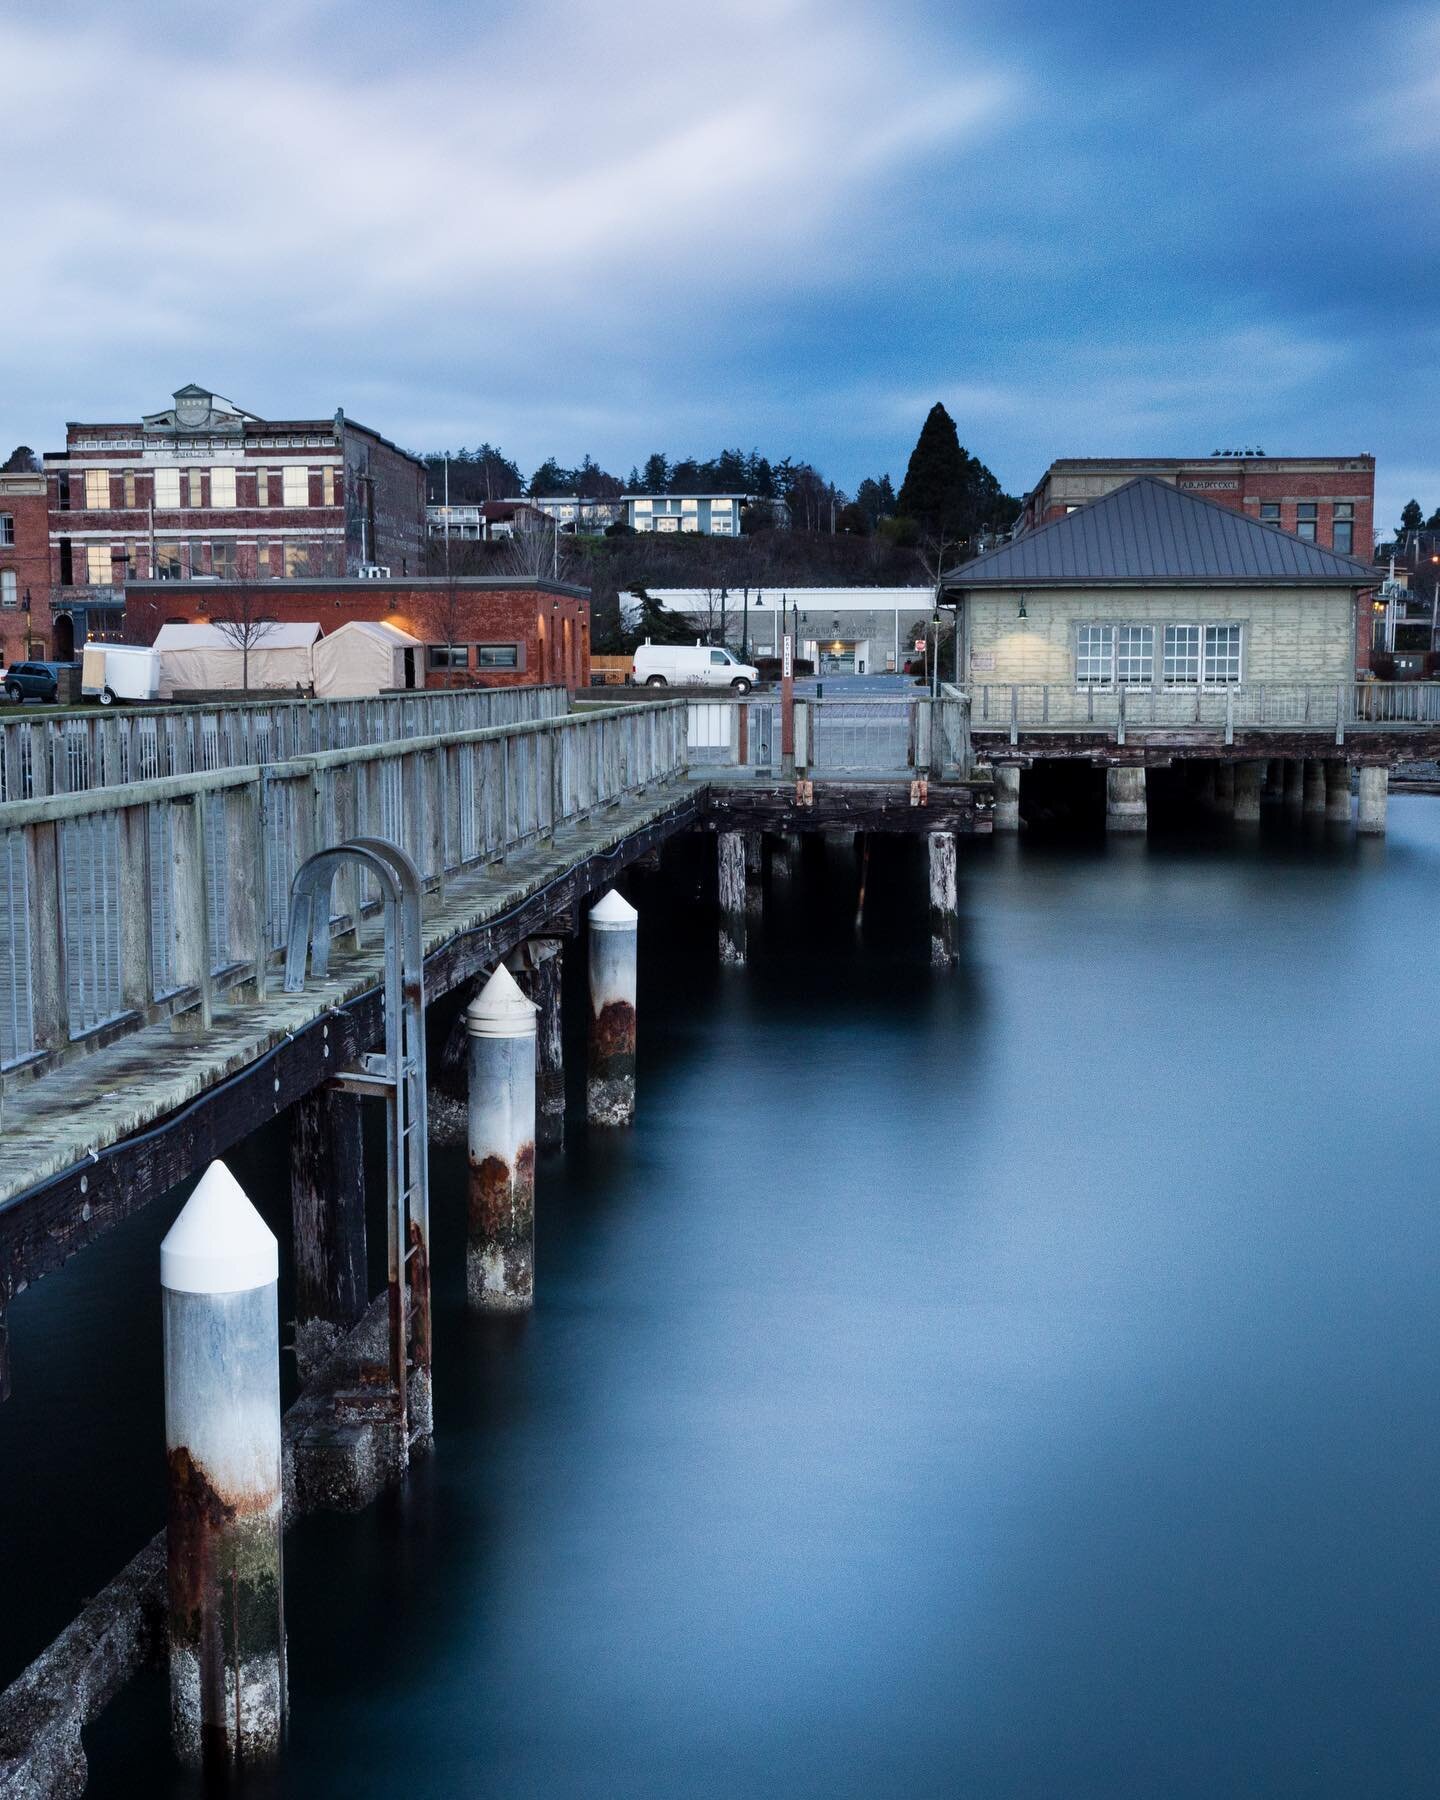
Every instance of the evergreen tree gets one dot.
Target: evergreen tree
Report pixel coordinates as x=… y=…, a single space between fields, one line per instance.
x=22 y=460
x=1433 y=522
x=1411 y=518
x=875 y=499
x=685 y=476
x=550 y=478
x=933 y=492
x=656 y=479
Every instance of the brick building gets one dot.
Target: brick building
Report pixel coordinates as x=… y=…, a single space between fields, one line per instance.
x=24 y=568
x=206 y=491
x=1327 y=500
x=478 y=631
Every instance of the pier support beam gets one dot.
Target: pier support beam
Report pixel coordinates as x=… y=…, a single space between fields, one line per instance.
x=327 y=1205
x=1314 y=790
x=754 y=874
x=1007 y=798
x=730 y=861
x=1275 y=777
x=1294 y=783
x=614 y=946
x=1125 y=808
x=500 y=1246
x=1248 y=779
x=943 y=902
x=218 y=1270
x=539 y=967
x=1225 y=788
x=1374 y=785
x=1337 y=792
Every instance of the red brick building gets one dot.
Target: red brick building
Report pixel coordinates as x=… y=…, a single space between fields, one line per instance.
x=478 y=631
x=1328 y=499
x=205 y=491
x=24 y=568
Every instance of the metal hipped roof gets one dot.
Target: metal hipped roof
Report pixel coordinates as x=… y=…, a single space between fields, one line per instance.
x=1151 y=532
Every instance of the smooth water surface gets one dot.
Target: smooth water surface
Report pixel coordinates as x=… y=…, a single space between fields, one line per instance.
x=1020 y=1382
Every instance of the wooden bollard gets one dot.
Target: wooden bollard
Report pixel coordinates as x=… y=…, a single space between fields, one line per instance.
x=610 y=1077
x=218 y=1269
x=500 y=1249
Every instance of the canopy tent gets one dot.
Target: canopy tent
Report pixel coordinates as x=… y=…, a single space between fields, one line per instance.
x=197 y=658
x=366 y=656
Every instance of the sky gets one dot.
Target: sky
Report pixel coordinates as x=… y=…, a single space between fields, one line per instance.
x=1117 y=229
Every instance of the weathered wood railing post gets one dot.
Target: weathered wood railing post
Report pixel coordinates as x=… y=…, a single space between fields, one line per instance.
x=500 y=1244
x=218 y=1269
x=610 y=1078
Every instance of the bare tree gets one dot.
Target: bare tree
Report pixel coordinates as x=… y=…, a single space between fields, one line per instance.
x=444 y=618
x=935 y=555
x=535 y=549
x=236 y=616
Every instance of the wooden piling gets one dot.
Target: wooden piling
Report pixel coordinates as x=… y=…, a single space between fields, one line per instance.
x=730 y=882
x=327 y=1204
x=943 y=902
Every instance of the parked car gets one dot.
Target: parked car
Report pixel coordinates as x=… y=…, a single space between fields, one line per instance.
x=31 y=681
x=693 y=665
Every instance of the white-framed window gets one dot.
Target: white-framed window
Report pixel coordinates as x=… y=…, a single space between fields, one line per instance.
x=97 y=564
x=1094 y=655
x=167 y=488
x=297 y=485
x=97 y=488
x=9 y=588
x=1135 y=655
x=7 y=528
x=1182 y=656
x=1222 y=655
x=222 y=487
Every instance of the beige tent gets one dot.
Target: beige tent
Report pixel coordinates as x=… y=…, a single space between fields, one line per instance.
x=196 y=658
x=366 y=656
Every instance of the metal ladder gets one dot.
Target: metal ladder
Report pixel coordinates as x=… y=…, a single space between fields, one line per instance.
x=395 y=1075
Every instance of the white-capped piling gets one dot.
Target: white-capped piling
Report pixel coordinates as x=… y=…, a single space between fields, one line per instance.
x=730 y=881
x=610 y=1078
x=218 y=1270
x=500 y=1249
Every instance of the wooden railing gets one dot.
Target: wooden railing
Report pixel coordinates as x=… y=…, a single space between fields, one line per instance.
x=124 y=904
x=910 y=734
x=1322 y=707
x=65 y=753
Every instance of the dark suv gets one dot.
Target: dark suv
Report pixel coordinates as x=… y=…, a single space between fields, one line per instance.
x=30 y=681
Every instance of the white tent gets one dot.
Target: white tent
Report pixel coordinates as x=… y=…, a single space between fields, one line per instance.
x=200 y=657
x=366 y=656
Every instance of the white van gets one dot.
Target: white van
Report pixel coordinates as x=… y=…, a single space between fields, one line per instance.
x=692 y=665
x=111 y=672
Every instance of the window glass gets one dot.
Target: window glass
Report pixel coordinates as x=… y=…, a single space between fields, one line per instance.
x=222 y=487
x=7 y=528
x=262 y=487
x=97 y=487
x=498 y=656
x=222 y=559
x=167 y=558
x=97 y=564
x=447 y=656
x=1222 y=655
x=197 y=557
x=262 y=558
x=1305 y=520
x=167 y=487
x=327 y=486
x=297 y=486
x=718 y=656
x=1095 y=655
x=297 y=560
x=9 y=589
x=1182 y=655
x=1270 y=513
x=192 y=487
x=130 y=488
x=1135 y=655
x=1343 y=537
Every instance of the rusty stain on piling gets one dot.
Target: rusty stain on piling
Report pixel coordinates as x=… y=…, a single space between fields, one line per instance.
x=613 y=1030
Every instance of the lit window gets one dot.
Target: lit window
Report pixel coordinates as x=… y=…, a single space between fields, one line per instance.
x=1095 y=655
x=1135 y=655
x=7 y=528
x=167 y=558
x=192 y=487
x=1305 y=521
x=1270 y=512
x=262 y=487
x=497 y=656
x=167 y=487
x=297 y=486
x=297 y=561
x=130 y=488
x=9 y=589
x=1222 y=655
x=327 y=486
x=1182 y=655
x=222 y=487
x=97 y=564
x=1343 y=537
x=97 y=488
x=447 y=656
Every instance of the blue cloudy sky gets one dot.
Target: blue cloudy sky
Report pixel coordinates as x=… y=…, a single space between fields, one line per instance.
x=1117 y=227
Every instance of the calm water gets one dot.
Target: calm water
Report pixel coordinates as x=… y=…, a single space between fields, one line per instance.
x=1020 y=1383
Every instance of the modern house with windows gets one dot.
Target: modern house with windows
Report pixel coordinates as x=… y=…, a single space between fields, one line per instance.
x=1327 y=500
x=205 y=491
x=712 y=515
